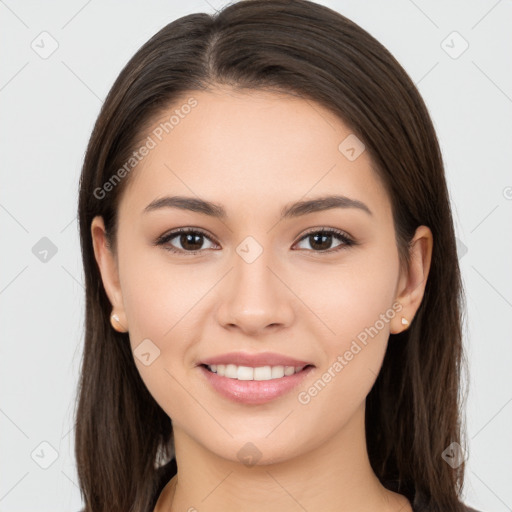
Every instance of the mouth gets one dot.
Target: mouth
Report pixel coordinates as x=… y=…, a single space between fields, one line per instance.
x=256 y=373
x=253 y=385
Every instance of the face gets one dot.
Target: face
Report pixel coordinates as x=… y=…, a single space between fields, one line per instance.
x=322 y=286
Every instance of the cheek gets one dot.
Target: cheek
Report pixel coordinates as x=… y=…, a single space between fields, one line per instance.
x=159 y=296
x=366 y=299
x=163 y=302
x=151 y=303
x=160 y=304
x=352 y=296
x=356 y=303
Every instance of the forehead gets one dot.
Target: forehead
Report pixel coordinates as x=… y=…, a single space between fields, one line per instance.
x=245 y=148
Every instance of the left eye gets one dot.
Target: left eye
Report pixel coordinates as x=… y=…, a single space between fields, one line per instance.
x=324 y=237
x=191 y=241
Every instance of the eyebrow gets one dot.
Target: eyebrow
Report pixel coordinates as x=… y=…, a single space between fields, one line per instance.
x=292 y=210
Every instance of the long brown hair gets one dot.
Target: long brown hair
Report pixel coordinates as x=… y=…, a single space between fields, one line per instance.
x=413 y=411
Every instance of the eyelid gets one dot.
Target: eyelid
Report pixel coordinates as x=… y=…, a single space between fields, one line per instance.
x=169 y=235
x=328 y=230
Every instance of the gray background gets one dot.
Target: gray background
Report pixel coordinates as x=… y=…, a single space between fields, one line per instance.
x=48 y=107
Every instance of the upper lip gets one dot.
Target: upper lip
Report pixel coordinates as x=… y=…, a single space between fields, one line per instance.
x=254 y=360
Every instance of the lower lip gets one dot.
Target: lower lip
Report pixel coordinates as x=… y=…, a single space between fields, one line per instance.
x=254 y=392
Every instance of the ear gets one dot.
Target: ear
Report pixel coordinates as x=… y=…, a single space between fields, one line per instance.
x=107 y=263
x=411 y=285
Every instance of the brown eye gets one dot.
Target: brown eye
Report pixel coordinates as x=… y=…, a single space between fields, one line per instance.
x=321 y=240
x=184 y=241
x=191 y=241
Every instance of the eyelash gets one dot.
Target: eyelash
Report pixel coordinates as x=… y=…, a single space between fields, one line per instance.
x=164 y=239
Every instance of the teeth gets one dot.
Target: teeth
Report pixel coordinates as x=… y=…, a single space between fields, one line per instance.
x=232 y=371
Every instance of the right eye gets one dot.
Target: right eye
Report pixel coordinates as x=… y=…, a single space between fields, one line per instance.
x=190 y=240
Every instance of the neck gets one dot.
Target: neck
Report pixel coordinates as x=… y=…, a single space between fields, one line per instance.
x=335 y=476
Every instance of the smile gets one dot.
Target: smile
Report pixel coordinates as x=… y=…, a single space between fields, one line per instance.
x=232 y=371
x=257 y=385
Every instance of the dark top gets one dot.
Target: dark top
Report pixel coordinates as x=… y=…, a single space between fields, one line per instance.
x=170 y=469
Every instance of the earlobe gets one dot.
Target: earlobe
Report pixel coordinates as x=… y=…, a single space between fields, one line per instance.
x=107 y=265
x=412 y=285
x=116 y=323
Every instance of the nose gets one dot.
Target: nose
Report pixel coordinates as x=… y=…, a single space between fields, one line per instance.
x=255 y=298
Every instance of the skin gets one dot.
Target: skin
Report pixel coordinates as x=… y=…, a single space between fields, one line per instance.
x=266 y=150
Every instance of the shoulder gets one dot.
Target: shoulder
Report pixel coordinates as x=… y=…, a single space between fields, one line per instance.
x=425 y=506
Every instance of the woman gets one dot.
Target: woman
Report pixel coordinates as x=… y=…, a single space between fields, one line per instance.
x=263 y=199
